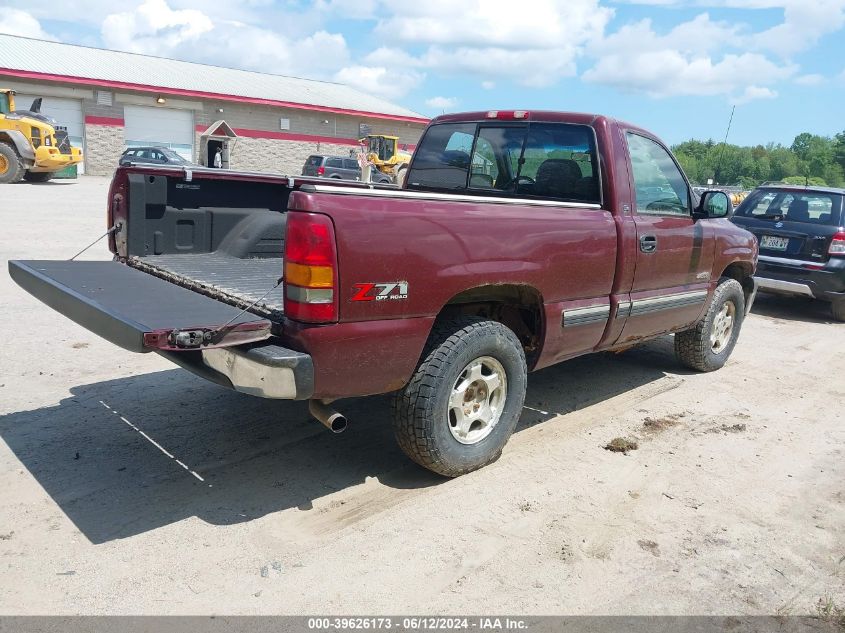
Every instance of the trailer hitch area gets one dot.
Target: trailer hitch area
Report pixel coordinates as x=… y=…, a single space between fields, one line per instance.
x=175 y=340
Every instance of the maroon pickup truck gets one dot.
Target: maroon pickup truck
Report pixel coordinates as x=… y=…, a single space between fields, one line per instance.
x=519 y=240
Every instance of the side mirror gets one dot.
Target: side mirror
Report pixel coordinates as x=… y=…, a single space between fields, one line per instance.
x=713 y=204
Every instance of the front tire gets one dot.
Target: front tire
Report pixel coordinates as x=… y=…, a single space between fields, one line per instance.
x=464 y=400
x=41 y=176
x=708 y=344
x=11 y=169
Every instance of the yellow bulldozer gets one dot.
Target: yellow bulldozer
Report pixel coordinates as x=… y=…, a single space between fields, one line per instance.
x=384 y=153
x=33 y=146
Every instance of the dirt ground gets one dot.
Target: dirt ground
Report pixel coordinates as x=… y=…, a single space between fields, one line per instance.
x=734 y=502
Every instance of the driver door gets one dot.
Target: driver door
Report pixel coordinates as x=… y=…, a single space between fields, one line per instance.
x=674 y=253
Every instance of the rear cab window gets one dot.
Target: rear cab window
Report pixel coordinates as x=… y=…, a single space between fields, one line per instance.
x=314 y=161
x=795 y=206
x=556 y=161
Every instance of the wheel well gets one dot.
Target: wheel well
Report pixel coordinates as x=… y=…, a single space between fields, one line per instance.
x=742 y=272
x=518 y=307
x=5 y=139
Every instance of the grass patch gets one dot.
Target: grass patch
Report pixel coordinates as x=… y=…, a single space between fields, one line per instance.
x=621 y=445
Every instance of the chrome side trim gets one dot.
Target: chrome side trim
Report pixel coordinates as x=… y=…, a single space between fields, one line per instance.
x=667 y=302
x=623 y=309
x=784 y=286
x=426 y=195
x=789 y=262
x=583 y=316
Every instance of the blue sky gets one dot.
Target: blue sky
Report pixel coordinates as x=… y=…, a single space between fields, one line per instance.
x=676 y=67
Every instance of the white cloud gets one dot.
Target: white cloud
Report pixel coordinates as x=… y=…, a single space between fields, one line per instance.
x=803 y=25
x=17 y=22
x=497 y=23
x=803 y=22
x=754 y=92
x=488 y=85
x=813 y=79
x=533 y=47
x=384 y=81
x=688 y=60
x=154 y=28
x=442 y=103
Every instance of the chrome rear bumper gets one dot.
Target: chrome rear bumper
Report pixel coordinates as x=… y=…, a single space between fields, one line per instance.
x=785 y=287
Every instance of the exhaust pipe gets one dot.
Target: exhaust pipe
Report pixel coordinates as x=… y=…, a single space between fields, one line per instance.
x=327 y=416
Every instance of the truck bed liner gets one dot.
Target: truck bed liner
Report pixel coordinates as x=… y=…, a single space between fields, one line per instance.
x=240 y=282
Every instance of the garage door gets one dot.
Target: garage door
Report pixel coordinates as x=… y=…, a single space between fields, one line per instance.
x=163 y=127
x=67 y=112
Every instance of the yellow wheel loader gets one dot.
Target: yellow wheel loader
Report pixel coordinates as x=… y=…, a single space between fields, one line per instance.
x=383 y=152
x=32 y=146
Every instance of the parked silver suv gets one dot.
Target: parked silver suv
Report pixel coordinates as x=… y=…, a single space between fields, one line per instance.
x=339 y=167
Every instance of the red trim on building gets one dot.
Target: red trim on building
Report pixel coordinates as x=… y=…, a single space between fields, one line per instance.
x=28 y=74
x=104 y=120
x=291 y=136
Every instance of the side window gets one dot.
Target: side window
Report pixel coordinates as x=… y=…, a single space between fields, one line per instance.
x=763 y=204
x=785 y=203
x=660 y=186
x=348 y=163
x=442 y=159
x=334 y=162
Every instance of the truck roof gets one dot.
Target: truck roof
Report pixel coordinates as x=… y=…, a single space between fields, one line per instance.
x=552 y=116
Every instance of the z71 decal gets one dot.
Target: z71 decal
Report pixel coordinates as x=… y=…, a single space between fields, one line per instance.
x=391 y=291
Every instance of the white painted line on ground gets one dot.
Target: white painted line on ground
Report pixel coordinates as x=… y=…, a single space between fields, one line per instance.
x=537 y=410
x=152 y=441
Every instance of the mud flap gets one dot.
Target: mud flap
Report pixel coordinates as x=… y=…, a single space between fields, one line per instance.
x=135 y=310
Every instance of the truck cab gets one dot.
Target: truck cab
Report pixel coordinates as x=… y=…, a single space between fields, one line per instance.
x=519 y=240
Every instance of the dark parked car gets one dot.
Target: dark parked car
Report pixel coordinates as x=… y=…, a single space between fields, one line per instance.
x=802 y=241
x=338 y=167
x=151 y=156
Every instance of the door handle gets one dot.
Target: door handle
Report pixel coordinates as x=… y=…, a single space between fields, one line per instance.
x=648 y=243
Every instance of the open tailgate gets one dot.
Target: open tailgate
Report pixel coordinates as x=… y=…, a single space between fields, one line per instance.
x=135 y=310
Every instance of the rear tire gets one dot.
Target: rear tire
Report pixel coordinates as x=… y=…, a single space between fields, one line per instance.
x=837 y=309
x=400 y=175
x=41 y=176
x=708 y=345
x=11 y=169
x=465 y=398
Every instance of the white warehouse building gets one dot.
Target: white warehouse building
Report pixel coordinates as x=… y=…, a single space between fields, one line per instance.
x=112 y=100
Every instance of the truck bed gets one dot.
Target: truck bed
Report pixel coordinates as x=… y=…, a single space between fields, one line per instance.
x=240 y=282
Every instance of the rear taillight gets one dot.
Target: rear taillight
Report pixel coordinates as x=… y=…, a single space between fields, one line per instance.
x=310 y=268
x=837 y=244
x=321 y=171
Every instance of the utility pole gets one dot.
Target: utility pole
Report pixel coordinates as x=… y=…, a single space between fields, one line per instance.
x=718 y=171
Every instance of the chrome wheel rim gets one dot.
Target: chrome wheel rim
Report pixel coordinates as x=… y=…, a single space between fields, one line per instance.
x=723 y=327
x=477 y=400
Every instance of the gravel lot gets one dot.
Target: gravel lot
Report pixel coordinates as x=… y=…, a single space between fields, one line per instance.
x=734 y=502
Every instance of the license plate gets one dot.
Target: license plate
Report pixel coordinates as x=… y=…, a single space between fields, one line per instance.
x=774 y=243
